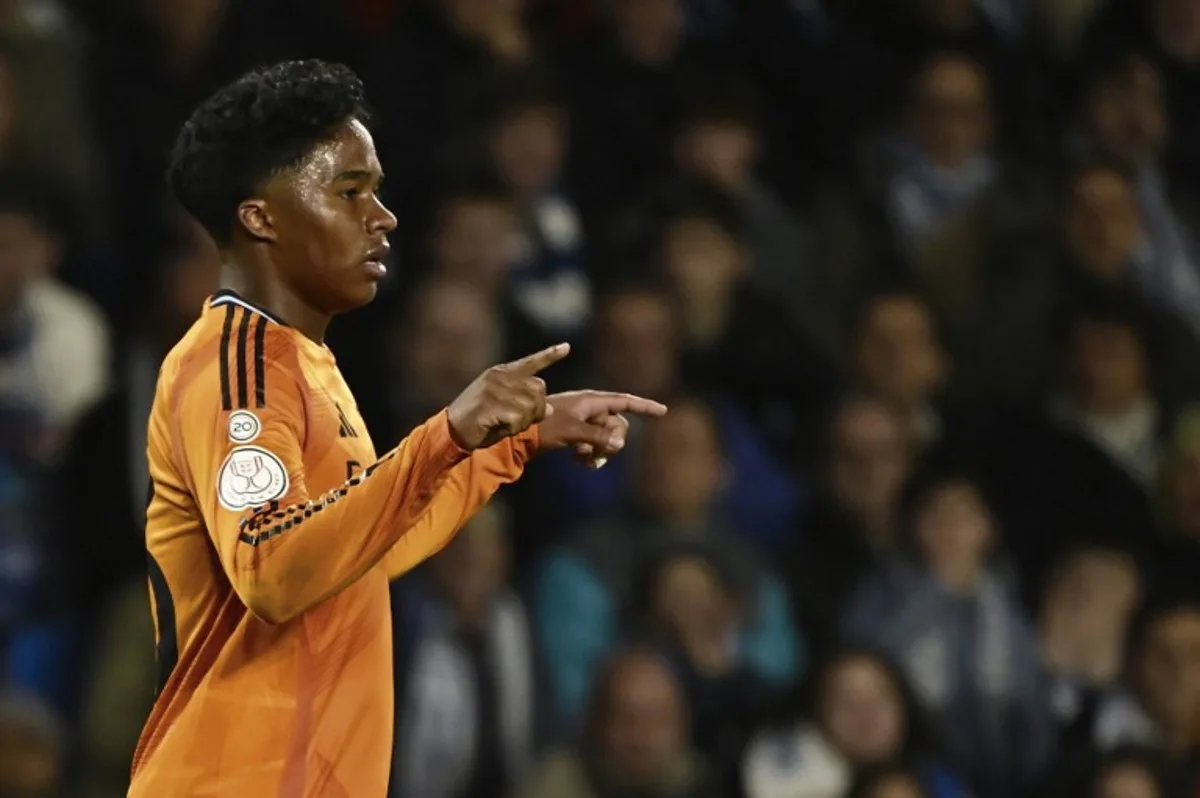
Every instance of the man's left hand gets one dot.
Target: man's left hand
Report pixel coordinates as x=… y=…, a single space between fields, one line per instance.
x=592 y=422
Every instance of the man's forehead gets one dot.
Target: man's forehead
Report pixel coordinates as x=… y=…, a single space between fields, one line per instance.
x=350 y=149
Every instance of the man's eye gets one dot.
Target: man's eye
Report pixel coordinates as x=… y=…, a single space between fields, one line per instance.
x=350 y=193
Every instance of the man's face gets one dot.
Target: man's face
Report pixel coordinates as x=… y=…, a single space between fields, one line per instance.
x=721 y=152
x=1102 y=225
x=869 y=459
x=528 y=148
x=650 y=30
x=451 y=337
x=476 y=241
x=473 y=569
x=637 y=345
x=950 y=113
x=1107 y=368
x=643 y=734
x=26 y=251
x=1177 y=27
x=1169 y=668
x=328 y=224
x=1127 y=114
x=898 y=356
x=680 y=462
x=702 y=259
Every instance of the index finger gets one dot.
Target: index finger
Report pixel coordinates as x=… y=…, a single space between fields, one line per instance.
x=532 y=364
x=608 y=403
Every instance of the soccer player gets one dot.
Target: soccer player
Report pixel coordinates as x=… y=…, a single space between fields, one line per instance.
x=272 y=527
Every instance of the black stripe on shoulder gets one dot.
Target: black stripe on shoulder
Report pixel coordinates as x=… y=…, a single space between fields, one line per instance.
x=242 y=377
x=260 y=367
x=226 y=330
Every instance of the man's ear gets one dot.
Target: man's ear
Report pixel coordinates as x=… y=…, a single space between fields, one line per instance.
x=256 y=220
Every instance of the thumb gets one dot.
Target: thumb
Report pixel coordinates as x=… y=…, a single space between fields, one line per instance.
x=599 y=436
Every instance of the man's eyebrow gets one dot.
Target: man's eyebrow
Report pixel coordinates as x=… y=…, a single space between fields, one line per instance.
x=360 y=174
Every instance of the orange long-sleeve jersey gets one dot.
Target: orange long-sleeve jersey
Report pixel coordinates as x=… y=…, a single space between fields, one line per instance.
x=272 y=532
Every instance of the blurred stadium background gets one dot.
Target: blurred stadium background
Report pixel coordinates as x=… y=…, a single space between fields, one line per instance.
x=919 y=279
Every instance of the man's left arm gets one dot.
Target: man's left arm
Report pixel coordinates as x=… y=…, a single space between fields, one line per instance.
x=468 y=487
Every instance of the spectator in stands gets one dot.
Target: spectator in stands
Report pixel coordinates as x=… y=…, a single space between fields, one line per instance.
x=855 y=520
x=1163 y=700
x=449 y=333
x=1124 y=117
x=1108 y=394
x=33 y=750
x=55 y=344
x=583 y=588
x=948 y=615
x=467 y=707
x=861 y=715
x=526 y=138
x=889 y=781
x=1085 y=612
x=477 y=239
x=1126 y=772
x=636 y=349
x=625 y=81
x=634 y=740
x=897 y=355
x=691 y=606
x=738 y=339
x=719 y=141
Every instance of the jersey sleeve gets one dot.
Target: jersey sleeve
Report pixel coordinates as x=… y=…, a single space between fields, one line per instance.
x=466 y=489
x=284 y=548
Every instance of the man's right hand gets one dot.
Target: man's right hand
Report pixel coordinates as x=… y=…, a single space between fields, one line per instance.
x=503 y=401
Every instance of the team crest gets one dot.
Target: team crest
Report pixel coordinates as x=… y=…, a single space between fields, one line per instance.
x=244 y=426
x=251 y=476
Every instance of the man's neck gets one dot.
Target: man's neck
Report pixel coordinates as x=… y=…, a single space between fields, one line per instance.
x=273 y=297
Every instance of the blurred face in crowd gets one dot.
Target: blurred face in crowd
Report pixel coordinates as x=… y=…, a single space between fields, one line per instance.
x=703 y=261
x=950 y=115
x=475 y=241
x=721 y=152
x=193 y=274
x=29 y=766
x=1168 y=672
x=451 y=335
x=642 y=733
x=1127 y=116
x=528 y=148
x=898 y=356
x=1102 y=224
x=1107 y=368
x=1097 y=588
x=1181 y=485
x=681 y=468
x=1177 y=27
x=473 y=569
x=862 y=713
x=691 y=604
x=954 y=530
x=870 y=458
x=946 y=14
x=898 y=785
x=650 y=31
x=637 y=344
x=1126 y=780
x=27 y=251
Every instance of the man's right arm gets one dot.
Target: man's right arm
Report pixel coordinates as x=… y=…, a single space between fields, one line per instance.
x=284 y=548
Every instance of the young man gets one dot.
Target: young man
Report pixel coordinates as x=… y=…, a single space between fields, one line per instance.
x=272 y=528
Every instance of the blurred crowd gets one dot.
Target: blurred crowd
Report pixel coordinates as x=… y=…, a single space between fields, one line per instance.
x=919 y=280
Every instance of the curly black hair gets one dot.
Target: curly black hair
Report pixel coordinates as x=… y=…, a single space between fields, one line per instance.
x=264 y=122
